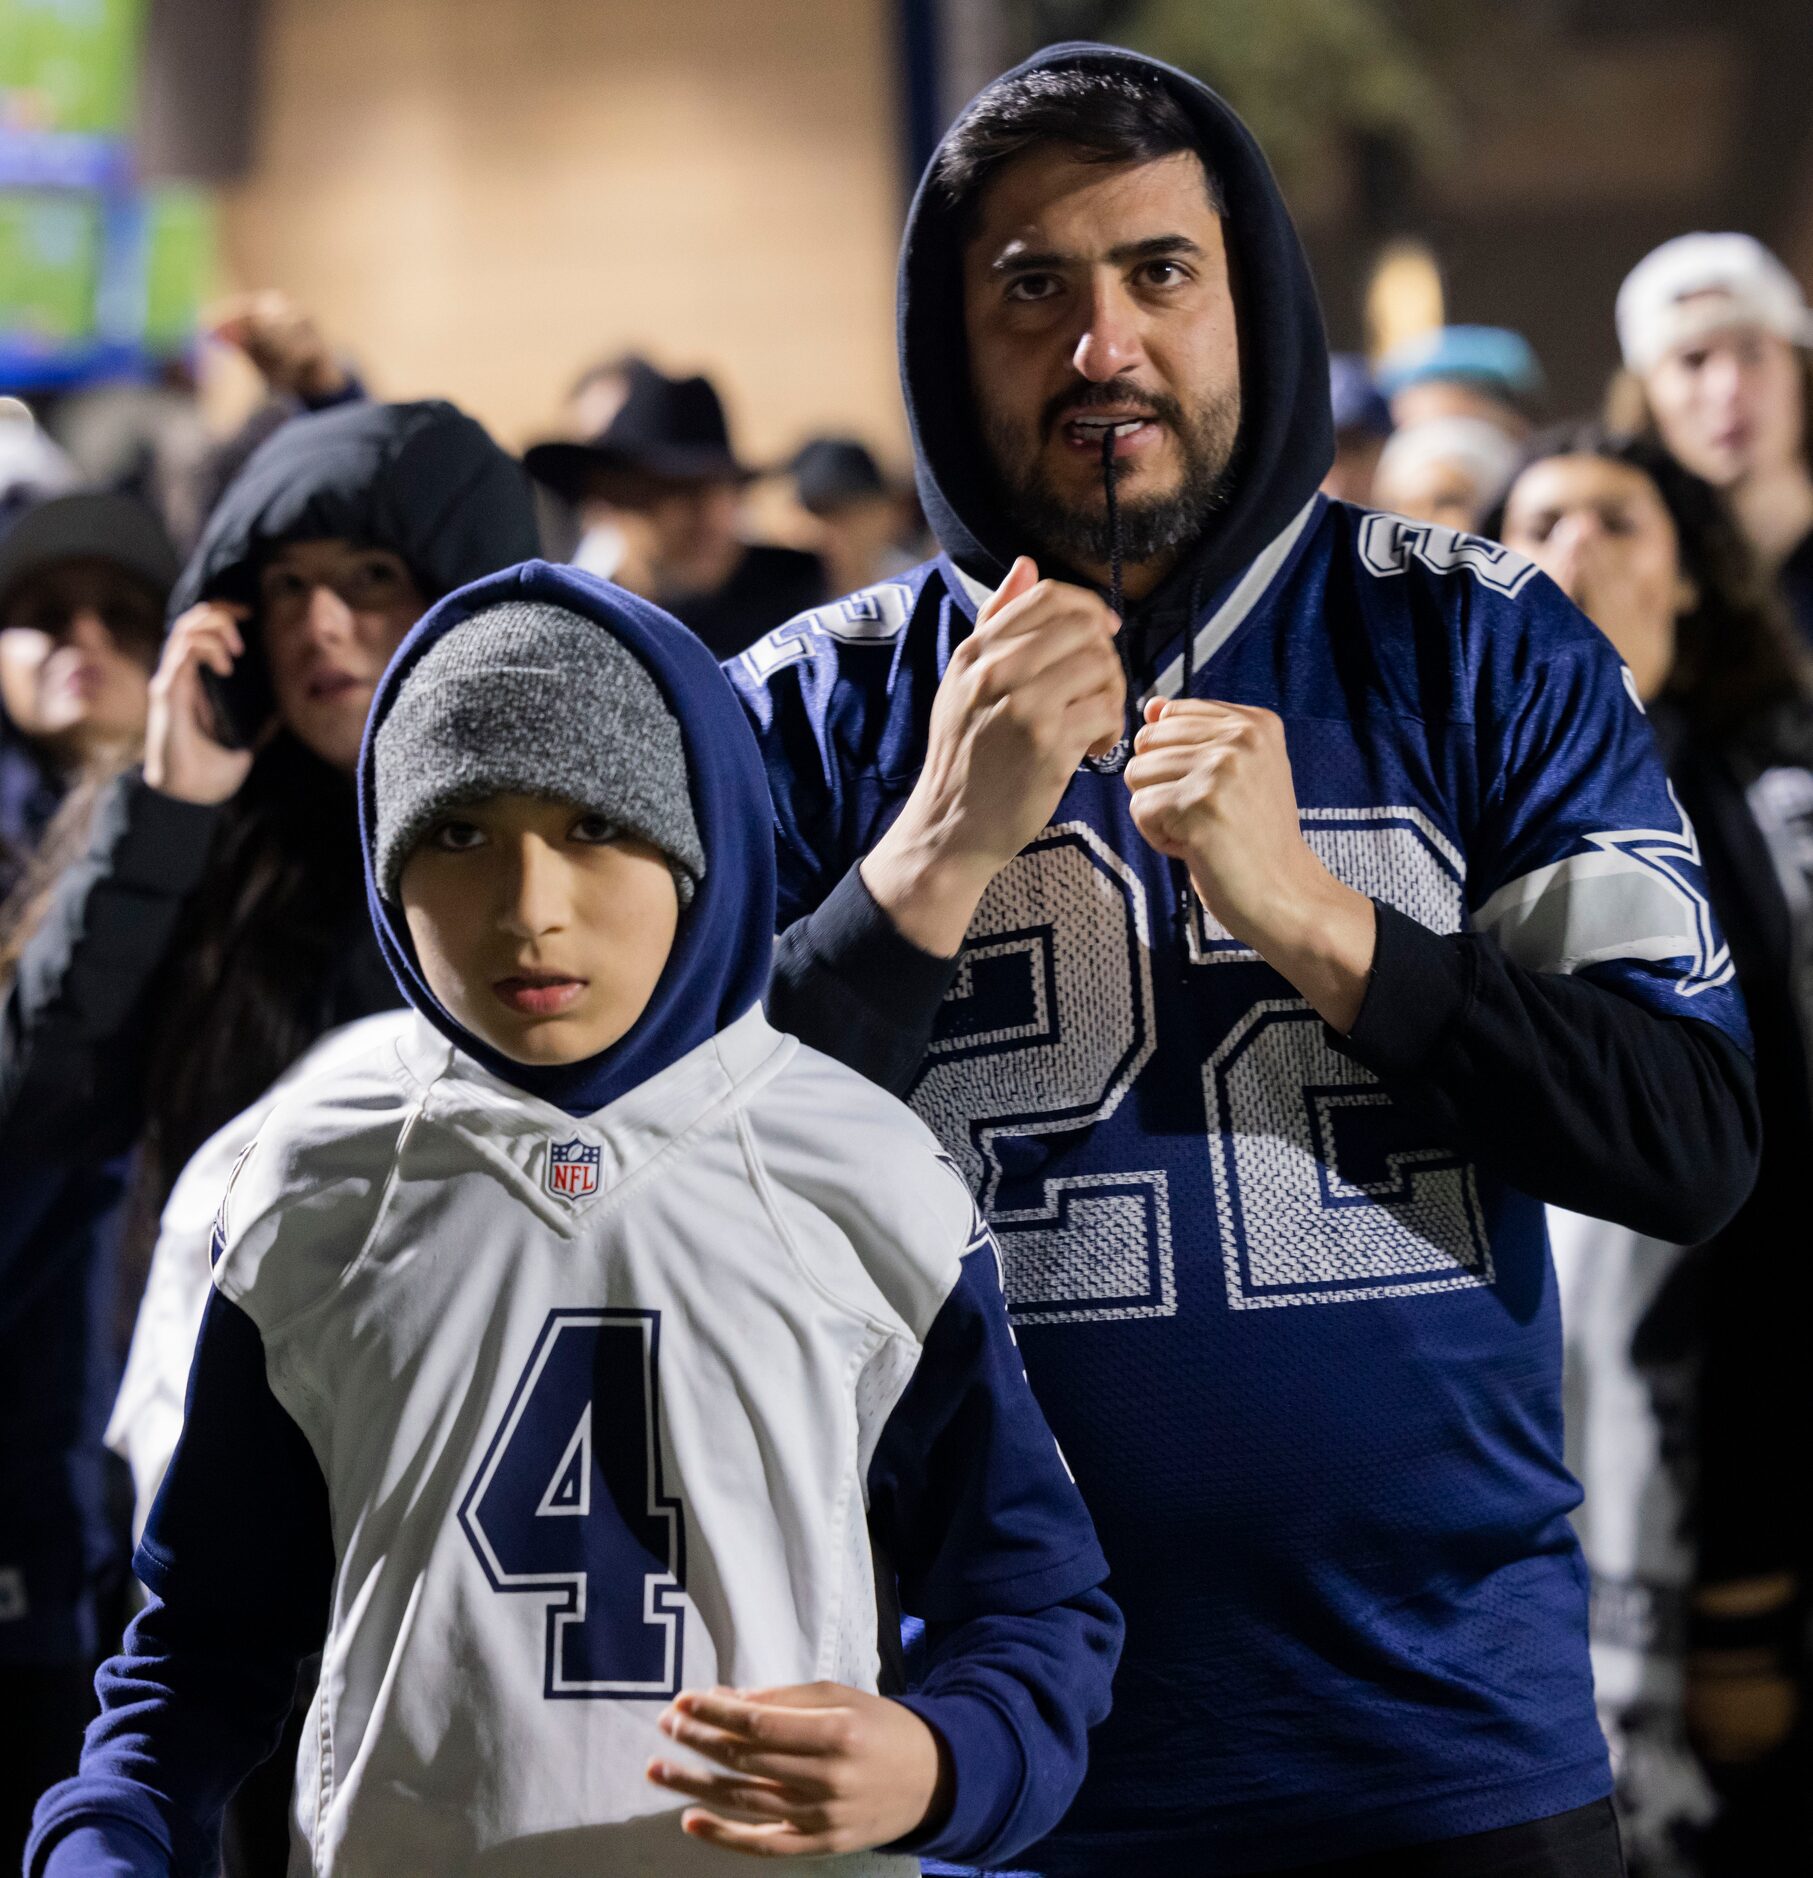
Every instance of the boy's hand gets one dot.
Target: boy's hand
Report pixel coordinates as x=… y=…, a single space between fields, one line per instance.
x=814 y=1769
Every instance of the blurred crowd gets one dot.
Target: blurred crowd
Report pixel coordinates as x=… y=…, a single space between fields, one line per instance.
x=191 y=627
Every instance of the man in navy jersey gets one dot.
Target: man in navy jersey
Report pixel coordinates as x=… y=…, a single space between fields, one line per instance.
x=1270 y=904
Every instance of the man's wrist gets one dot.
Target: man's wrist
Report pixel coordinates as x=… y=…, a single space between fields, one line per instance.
x=929 y=893
x=1325 y=945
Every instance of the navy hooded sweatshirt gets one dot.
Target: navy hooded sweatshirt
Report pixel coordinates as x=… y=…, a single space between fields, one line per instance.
x=198 y=1693
x=1286 y=1296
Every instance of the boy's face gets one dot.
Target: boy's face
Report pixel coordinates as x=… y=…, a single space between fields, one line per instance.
x=539 y=925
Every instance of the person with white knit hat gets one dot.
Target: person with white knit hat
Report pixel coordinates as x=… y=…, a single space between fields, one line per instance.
x=1716 y=337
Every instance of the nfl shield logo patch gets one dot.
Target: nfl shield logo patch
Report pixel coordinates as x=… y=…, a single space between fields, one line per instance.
x=572 y=1168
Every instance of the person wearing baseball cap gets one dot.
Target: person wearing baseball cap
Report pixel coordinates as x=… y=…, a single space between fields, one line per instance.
x=83 y=582
x=1716 y=336
x=1488 y=373
x=1362 y=425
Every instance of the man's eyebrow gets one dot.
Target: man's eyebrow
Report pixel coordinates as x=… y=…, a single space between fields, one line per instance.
x=1152 y=248
x=1028 y=260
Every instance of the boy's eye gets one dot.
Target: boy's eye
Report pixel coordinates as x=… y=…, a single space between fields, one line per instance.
x=1032 y=287
x=595 y=829
x=456 y=837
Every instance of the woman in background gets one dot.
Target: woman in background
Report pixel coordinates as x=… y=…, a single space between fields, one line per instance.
x=83 y=581
x=1688 y=1399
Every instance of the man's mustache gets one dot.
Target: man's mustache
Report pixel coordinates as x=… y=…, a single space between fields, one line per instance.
x=1086 y=395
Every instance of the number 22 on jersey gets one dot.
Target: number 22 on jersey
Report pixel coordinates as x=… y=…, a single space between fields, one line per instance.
x=1323 y=1190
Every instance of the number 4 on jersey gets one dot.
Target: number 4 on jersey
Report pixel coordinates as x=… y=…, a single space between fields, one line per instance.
x=568 y=1503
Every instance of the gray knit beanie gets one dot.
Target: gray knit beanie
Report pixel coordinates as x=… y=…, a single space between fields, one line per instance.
x=532 y=699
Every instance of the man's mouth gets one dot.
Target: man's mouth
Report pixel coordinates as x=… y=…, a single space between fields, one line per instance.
x=332 y=684
x=1089 y=431
x=538 y=993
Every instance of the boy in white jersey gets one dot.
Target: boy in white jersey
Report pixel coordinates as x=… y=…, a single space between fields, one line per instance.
x=586 y=1368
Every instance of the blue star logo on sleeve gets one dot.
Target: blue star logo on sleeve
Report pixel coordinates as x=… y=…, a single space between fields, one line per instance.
x=1674 y=858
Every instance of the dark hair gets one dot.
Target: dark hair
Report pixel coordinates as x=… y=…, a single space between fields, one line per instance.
x=1736 y=658
x=245 y=989
x=1103 y=117
x=64 y=842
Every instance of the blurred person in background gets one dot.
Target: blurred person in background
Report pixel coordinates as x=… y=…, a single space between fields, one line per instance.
x=663 y=474
x=583 y=529
x=153 y=441
x=32 y=468
x=1484 y=372
x=1689 y=1404
x=33 y=465
x=83 y=582
x=1716 y=337
x=1362 y=424
x=863 y=519
x=214 y=925
x=1444 y=469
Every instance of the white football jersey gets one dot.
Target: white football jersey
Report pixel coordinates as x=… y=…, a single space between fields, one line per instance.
x=595 y=1404
x=148 y=1411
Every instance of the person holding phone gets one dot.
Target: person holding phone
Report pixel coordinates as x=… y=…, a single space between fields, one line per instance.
x=213 y=926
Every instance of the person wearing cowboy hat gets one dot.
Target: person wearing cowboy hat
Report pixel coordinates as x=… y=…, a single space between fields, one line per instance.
x=663 y=474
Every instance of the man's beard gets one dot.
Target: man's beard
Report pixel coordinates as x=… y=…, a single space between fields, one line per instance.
x=1150 y=526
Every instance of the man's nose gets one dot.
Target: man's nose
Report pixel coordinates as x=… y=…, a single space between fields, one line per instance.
x=533 y=904
x=1109 y=343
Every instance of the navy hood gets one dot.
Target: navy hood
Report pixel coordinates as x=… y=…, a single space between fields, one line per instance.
x=719 y=964
x=423 y=480
x=1287 y=434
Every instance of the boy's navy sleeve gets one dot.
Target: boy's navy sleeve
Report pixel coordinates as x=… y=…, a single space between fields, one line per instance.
x=973 y=1505
x=238 y=1559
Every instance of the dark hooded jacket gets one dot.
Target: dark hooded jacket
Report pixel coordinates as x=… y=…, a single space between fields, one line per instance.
x=1339 y=1531
x=205 y=1674
x=78 y=1027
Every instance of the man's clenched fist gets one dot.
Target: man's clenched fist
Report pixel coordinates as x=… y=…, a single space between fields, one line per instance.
x=1211 y=786
x=1032 y=691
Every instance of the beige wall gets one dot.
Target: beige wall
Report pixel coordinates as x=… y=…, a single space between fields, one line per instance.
x=478 y=197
